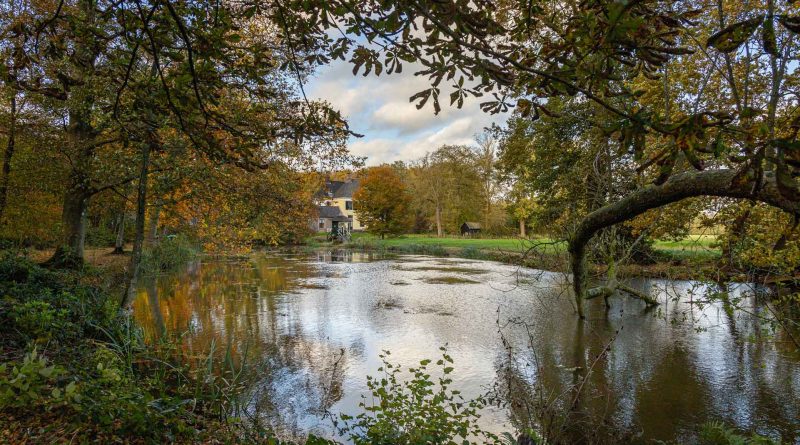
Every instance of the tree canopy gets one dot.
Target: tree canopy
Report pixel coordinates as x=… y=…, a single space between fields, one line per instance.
x=382 y=202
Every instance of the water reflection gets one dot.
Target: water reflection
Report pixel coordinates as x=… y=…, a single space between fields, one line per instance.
x=313 y=326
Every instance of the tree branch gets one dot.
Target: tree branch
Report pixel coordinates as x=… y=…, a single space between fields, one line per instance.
x=719 y=183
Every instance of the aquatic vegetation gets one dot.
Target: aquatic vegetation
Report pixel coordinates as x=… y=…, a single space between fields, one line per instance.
x=717 y=433
x=313 y=286
x=388 y=303
x=448 y=280
x=452 y=269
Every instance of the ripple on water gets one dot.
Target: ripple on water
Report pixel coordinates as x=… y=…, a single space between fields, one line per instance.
x=667 y=371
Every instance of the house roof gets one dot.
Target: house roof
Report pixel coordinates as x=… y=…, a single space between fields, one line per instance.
x=337 y=189
x=333 y=213
x=472 y=225
x=343 y=189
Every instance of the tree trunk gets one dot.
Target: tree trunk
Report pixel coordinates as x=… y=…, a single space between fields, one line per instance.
x=138 y=237
x=439 y=231
x=10 y=146
x=522 y=233
x=152 y=230
x=80 y=137
x=69 y=253
x=76 y=197
x=488 y=210
x=685 y=185
x=119 y=243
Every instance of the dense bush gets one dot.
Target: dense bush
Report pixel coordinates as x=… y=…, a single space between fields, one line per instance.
x=168 y=254
x=100 y=235
x=37 y=304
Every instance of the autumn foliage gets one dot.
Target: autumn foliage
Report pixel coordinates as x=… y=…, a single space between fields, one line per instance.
x=382 y=202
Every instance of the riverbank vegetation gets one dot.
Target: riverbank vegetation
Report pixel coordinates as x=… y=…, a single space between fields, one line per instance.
x=639 y=133
x=75 y=369
x=701 y=246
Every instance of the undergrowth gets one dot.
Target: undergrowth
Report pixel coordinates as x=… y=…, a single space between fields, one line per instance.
x=168 y=254
x=73 y=369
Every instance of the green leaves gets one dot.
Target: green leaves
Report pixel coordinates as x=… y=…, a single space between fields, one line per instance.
x=367 y=58
x=419 y=410
x=33 y=382
x=732 y=37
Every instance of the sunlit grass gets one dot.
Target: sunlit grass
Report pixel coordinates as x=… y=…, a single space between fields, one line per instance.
x=693 y=247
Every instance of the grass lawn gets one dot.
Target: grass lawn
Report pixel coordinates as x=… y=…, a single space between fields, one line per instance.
x=509 y=244
x=694 y=246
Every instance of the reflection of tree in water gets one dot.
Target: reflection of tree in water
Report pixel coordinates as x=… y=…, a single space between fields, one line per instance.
x=237 y=305
x=347 y=256
x=666 y=372
x=302 y=379
x=566 y=397
x=652 y=382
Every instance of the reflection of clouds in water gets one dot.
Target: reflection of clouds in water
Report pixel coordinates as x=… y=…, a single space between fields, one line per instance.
x=667 y=371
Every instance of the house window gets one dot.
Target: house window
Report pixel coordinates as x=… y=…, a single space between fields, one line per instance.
x=321 y=223
x=348 y=205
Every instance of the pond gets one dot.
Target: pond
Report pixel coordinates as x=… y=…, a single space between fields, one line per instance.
x=312 y=326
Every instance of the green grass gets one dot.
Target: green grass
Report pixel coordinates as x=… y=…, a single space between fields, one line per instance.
x=508 y=244
x=693 y=247
x=700 y=247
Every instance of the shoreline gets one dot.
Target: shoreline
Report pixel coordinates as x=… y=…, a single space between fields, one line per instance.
x=676 y=269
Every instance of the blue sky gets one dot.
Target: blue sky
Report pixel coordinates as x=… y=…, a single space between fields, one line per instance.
x=393 y=128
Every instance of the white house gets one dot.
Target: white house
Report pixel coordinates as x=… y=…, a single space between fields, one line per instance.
x=335 y=206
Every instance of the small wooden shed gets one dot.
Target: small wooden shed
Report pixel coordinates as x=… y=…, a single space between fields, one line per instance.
x=470 y=228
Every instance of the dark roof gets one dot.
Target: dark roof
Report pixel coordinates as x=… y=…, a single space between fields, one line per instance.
x=332 y=212
x=473 y=225
x=337 y=189
x=344 y=189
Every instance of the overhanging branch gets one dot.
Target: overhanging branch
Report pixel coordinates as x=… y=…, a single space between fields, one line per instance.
x=719 y=183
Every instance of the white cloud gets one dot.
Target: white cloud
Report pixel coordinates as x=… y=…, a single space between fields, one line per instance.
x=406 y=119
x=376 y=150
x=378 y=107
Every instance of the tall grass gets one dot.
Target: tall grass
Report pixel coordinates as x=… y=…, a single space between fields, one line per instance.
x=169 y=254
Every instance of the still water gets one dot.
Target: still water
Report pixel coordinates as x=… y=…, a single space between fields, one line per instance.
x=312 y=327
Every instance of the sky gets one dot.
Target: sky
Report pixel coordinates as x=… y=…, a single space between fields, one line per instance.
x=394 y=130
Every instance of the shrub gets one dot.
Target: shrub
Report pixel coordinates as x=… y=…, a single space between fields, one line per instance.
x=37 y=319
x=33 y=383
x=415 y=412
x=101 y=235
x=169 y=253
x=38 y=303
x=473 y=253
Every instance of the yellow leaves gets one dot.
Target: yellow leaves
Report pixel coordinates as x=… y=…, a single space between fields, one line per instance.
x=382 y=201
x=232 y=210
